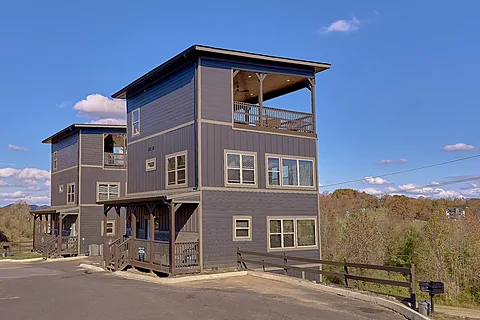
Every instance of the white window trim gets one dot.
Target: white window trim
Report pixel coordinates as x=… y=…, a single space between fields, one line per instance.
x=255 y=170
x=60 y=188
x=154 y=168
x=55 y=160
x=295 y=247
x=113 y=222
x=288 y=157
x=108 y=184
x=176 y=185
x=133 y=131
x=74 y=192
x=234 y=228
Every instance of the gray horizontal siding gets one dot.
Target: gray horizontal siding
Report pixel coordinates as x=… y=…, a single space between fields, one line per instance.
x=64 y=177
x=219 y=207
x=92 y=149
x=165 y=105
x=171 y=142
x=90 y=177
x=67 y=152
x=91 y=225
x=216 y=138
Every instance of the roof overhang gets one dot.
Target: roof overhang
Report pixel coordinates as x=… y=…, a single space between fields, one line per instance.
x=56 y=210
x=198 y=50
x=187 y=197
x=75 y=127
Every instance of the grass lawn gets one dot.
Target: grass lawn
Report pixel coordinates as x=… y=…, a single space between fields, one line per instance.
x=25 y=255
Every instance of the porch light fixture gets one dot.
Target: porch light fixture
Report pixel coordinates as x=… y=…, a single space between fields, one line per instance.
x=288 y=80
x=251 y=94
x=249 y=76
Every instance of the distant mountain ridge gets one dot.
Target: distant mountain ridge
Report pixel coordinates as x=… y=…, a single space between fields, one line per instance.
x=32 y=206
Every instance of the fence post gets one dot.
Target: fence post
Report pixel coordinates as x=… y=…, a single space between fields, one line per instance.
x=413 y=298
x=285 y=270
x=263 y=265
x=345 y=269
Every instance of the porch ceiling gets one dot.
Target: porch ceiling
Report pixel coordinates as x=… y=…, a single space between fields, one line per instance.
x=188 y=197
x=55 y=210
x=246 y=87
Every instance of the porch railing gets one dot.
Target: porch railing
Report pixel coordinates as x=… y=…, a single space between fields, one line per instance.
x=69 y=244
x=272 y=118
x=186 y=254
x=40 y=239
x=112 y=159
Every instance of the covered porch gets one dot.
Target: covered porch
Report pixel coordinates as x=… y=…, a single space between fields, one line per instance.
x=162 y=234
x=55 y=231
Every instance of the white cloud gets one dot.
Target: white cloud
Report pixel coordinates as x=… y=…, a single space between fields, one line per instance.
x=98 y=106
x=3 y=183
x=109 y=121
x=48 y=183
x=13 y=195
x=390 y=161
x=26 y=176
x=435 y=183
x=342 y=26
x=376 y=180
x=33 y=188
x=372 y=191
x=459 y=147
x=16 y=148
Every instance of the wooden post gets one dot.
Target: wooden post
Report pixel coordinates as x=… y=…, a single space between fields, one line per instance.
x=312 y=91
x=345 y=269
x=261 y=77
x=172 y=238
x=105 y=243
x=34 y=229
x=152 y=231
x=117 y=222
x=285 y=270
x=134 y=222
x=60 y=231
x=413 y=298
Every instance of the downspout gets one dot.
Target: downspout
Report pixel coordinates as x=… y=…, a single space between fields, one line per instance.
x=195 y=114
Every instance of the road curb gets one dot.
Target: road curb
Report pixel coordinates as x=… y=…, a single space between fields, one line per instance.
x=200 y=277
x=20 y=260
x=395 y=306
x=41 y=259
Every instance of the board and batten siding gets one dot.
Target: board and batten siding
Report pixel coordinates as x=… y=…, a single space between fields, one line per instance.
x=91 y=225
x=216 y=84
x=218 y=138
x=219 y=207
x=67 y=152
x=58 y=178
x=90 y=178
x=171 y=142
x=166 y=104
x=92 y=149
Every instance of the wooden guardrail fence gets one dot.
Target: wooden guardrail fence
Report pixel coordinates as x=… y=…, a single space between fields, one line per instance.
x=346 y=275
x=16 y=246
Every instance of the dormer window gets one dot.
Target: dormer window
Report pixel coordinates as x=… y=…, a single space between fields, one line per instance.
x=135 y=122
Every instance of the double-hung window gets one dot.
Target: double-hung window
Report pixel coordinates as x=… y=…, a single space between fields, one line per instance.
x=242 y=228
x=71 y=193
x=176 y=169
x=240 y=168
x=107 y=191
x=292 y=233
x=110 y=228
x=135 y=122
x=290 y=172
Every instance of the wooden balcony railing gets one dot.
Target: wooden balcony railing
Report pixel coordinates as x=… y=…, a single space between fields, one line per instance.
x=114 y=159
x=247 y=114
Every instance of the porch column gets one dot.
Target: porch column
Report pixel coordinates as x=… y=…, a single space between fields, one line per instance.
x=104 y=232
x=34 y=229
x=171 y=243
x=60 y=231
x=151 y=209
x=117 y=221
x=312 y=92
x=134 y=222
x=261 y=77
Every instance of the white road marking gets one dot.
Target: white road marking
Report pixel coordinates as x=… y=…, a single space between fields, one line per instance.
x=9 y=298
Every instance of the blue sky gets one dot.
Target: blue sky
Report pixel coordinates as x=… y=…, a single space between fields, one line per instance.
x=403 y=83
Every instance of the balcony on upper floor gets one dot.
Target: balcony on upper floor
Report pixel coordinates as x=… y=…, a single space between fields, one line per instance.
x=114 y=151
x=251 y=89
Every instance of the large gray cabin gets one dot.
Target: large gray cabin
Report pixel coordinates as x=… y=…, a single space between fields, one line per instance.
x=211 y=160
x=88 y=164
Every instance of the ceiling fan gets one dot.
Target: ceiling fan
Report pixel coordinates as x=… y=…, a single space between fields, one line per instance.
x=241 y=91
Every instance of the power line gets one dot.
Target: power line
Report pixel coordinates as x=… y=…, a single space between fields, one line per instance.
x=403 y=171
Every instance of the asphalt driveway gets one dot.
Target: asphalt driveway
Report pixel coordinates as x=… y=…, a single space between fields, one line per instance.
x=60 y=290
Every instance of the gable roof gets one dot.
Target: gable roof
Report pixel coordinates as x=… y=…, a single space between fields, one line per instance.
x=76 y=127
x=200 y=50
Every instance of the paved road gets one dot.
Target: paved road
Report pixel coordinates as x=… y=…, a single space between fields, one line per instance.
x=60 y=290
